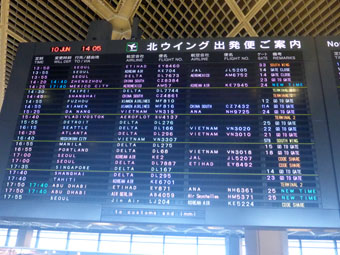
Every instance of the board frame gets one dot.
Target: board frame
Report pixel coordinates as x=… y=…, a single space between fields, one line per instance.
x=326 y=217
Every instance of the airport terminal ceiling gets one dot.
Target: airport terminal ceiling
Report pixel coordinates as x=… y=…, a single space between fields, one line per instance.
x=68 y=20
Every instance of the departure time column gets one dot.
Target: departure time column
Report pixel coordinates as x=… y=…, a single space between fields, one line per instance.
x=29 y=151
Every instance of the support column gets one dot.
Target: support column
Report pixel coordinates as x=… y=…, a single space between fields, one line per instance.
x=266 y=242
x=120 y=18
x=24 y=238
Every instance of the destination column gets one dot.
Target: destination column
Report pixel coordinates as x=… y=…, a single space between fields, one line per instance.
x=82 y=154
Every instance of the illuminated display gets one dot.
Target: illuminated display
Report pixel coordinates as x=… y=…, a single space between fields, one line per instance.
x=170 y=132
x=88 y=48
x=60 y=49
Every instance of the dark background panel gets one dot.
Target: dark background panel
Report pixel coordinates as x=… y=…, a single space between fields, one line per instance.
x=325 y=49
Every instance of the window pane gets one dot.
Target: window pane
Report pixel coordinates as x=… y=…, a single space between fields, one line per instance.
x=115 y=243
x=181 y=239
x=147 y=238
x=211 y=240
x=3 y=236
x=12 y=237
x=83 y=236
x=34 y=239
x=180 y=245
x=294 y=251
x=52 y=240
x=316 y=251
x=53 y=234
x=243 y=246
x=114 y=247
x=147 y=244
x=243 y=250
x=293 y=243
x=318 y=243
x=115 y=237
x=188 y=249
x=146 y=248
x=211 y=249
x=211 y=245
x=83 y=241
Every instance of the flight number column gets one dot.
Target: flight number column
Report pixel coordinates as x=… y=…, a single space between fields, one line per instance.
x=167 y=163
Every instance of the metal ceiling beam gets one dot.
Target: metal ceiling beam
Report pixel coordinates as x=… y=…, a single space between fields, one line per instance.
x=166 y=7
x=244 y=20
x=16 y=36
x=256 y=8
x=3 y=47
x=241 y=18
x=29 y=32
x=71 y=21
x=148 y=23
x=48 y=25
x=284 y=9
x=82 y=9
x=236 y=30
x=120 y=18
x=27 y=18
x=297 y=14
x=62 y=5
x=323 y=17
x=102 y=8
x=329 y=27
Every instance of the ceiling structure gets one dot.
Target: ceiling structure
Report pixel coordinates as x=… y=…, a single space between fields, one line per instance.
x=68 y=20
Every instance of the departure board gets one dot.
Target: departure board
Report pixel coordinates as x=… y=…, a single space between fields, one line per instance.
x=329 y=61
x=227 y=132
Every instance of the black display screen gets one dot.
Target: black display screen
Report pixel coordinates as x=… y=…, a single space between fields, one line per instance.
x=180 y=132
x=329 y=63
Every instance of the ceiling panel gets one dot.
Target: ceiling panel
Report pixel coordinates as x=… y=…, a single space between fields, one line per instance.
x=113 y=3
x=185 y=19
x=304 y=17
